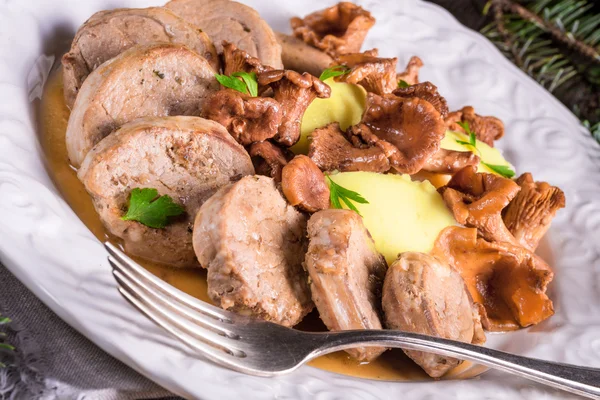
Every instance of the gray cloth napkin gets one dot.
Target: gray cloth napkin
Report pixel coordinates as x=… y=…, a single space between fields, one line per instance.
x=52 y=361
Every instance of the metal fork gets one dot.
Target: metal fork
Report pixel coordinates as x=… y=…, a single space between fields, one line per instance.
x=262 y=348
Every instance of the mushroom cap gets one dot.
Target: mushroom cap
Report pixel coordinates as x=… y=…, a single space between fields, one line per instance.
x=426 y=91
x=294 y=91
x=336 y=30
x=507 y=281
x=248 y=119
x=487 y=129
x=269 y=159
x=450 y=161
x=411 y=73
x=331 y=151
x=236 y=60
x=375 y=74
x=477 y=201
x=409 y=131
x=529 y=214
x=304 y=185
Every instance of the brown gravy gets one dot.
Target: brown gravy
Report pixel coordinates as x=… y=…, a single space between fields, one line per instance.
x=53 y=118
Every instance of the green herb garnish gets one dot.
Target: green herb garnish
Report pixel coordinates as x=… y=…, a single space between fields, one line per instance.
x=146 y=207
x=334 y=71
x=339 y=194
x=158 y=73
x=502 y=170
x=248 y=84
x=403 y=84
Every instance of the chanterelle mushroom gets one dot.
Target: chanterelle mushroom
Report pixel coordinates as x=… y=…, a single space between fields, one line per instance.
x=269 y=159
x=411 y=74
x=375 y=74
x=450 y=161
x=477 y=201
x=330 y=151
x=248 y=119
x=508 y=282
x=294 y=92
x=336 y=30
x=529 y=214
x=426 y=91
x=408 y=131
x=304 y=185
x=487 y=129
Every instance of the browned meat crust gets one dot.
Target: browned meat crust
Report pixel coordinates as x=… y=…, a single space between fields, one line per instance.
x=346 y=274
x=225 y=20
x=187 y=158
x=423 y=294
x=108 y=33
x=253 y=244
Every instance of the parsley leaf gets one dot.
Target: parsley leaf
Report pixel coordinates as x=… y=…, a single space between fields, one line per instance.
x=158 y=74
x=147 y=208
x=403 y=84
x=4 y=346
x=250 y=81
x=232 y=83
x=334 y=71
x=503 y=170
x=346 y=196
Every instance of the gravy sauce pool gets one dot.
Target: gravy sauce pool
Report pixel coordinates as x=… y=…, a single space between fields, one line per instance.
x=53 y=117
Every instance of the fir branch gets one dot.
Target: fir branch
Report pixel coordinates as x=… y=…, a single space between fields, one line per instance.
x=558 y=34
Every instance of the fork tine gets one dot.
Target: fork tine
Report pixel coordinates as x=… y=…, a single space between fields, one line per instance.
x=135 y=282
x=209 y=337
x=130 y=265
x=208 y=351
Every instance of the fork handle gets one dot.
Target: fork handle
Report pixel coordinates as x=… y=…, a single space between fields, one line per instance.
x=570 y=378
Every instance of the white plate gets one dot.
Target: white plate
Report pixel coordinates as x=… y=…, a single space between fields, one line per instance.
x=46 y=246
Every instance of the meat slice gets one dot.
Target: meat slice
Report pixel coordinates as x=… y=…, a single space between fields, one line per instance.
x=301 y=57
x=108 y=33
x=225 y=20
x=187 y=158
x=157 y=80
x=253 y=243
x=422 y=294
x=346 y=274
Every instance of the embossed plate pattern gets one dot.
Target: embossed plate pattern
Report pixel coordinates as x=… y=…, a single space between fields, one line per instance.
x=46 y=246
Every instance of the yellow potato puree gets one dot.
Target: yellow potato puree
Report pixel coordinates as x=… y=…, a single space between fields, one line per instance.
x=402 y=215
x=346 y=106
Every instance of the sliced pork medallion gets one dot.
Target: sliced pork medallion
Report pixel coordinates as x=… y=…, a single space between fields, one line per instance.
x=423 y=294
x=187 y=158
x=346 y=274
x=253 y=243
x=108 y=33
x=157 y=80
x=225 y=20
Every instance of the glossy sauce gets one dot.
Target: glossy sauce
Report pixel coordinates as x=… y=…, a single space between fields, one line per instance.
x=53 y=118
